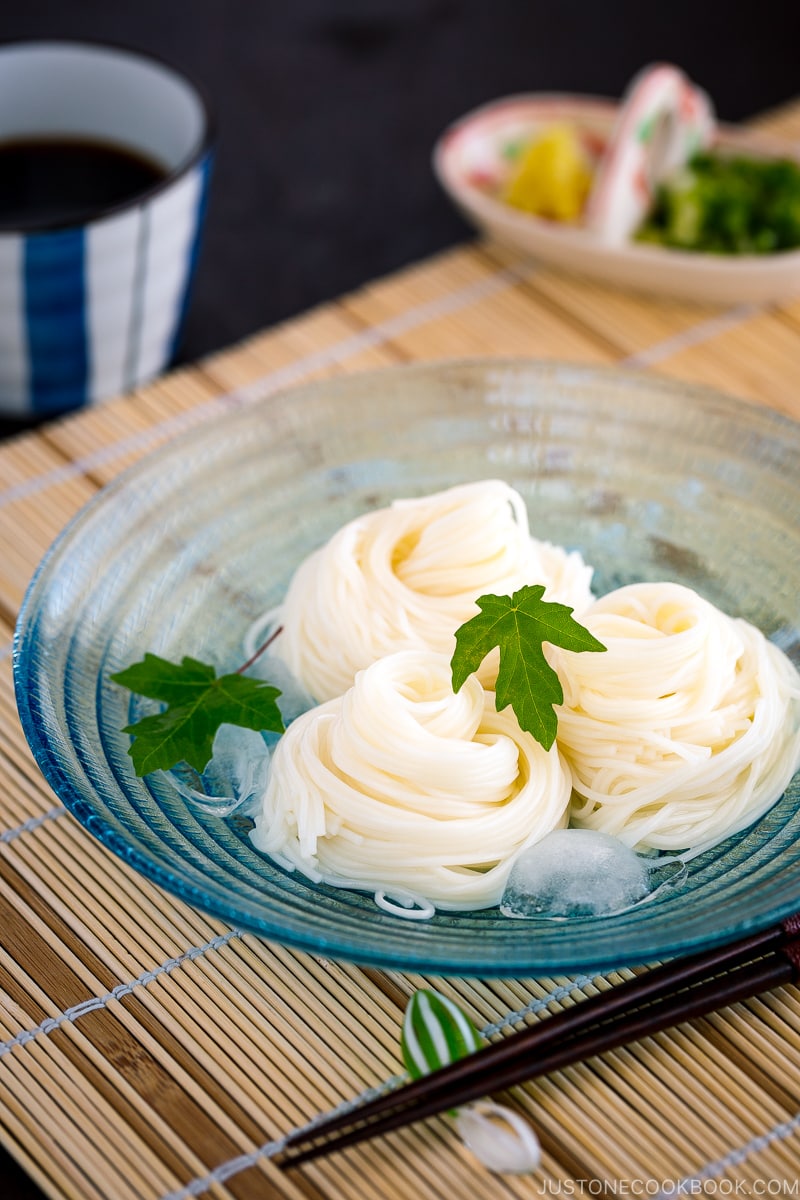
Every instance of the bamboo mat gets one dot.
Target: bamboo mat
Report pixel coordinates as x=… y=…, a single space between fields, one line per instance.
x=150 y=1052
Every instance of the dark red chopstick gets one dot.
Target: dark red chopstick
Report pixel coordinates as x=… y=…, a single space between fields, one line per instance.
x=667 y=995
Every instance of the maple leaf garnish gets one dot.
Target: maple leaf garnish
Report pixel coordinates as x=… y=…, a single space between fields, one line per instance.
x=519 y=625
x=198 y=702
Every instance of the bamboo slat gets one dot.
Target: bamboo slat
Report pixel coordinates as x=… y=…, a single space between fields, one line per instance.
x=316 y=344
x=513 y=323
x=754 y=360
x=783 y=122
x=148 y=1051
x=112 y=436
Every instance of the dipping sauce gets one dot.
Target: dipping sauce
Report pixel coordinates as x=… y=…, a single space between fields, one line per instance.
x=48 y=182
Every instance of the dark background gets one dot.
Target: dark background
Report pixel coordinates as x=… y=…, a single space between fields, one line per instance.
x=327 y=111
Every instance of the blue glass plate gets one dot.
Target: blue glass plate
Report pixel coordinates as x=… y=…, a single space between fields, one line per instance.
x=651 y=479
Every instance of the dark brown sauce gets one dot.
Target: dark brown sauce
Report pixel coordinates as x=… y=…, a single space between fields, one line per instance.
x=49 y=182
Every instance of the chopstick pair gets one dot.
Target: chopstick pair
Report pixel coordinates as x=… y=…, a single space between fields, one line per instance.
x=677 y=991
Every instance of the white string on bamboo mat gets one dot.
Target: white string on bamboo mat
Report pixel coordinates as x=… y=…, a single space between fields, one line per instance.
x=242 y=1162
x=93 y=1003
x=694 y=335
x=691 y=1185
x=8 y=835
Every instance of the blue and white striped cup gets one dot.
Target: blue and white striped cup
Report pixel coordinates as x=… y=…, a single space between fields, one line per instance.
x=93 y=309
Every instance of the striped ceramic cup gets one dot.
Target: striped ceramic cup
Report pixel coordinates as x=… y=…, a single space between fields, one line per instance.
x=92 y=301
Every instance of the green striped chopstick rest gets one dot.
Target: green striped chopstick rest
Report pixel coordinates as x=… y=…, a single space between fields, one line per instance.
x=435 y=1033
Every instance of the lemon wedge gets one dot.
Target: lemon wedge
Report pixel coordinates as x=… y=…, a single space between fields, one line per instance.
x=552 y=177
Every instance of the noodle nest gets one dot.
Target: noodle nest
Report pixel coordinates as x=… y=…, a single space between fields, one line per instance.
x=686 y=730
x=403 y=786
x=407 y=576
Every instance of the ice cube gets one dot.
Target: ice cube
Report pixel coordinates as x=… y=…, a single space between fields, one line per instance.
x=294 y=699
x=575 y=873
x=235 y=776
x=240 y=763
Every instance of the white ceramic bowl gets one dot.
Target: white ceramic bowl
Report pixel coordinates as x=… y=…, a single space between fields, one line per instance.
x=469 y=162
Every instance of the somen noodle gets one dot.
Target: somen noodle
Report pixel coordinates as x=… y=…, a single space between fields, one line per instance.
x=407 y=576
x=403 y=786
x=686 y=730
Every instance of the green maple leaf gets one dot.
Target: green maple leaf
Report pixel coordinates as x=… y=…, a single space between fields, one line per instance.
x=198 y=702
x=520 y=624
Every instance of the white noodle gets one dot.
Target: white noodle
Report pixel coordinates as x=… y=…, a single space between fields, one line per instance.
x=686 y=730
x=407 y=576
x=400 y=785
